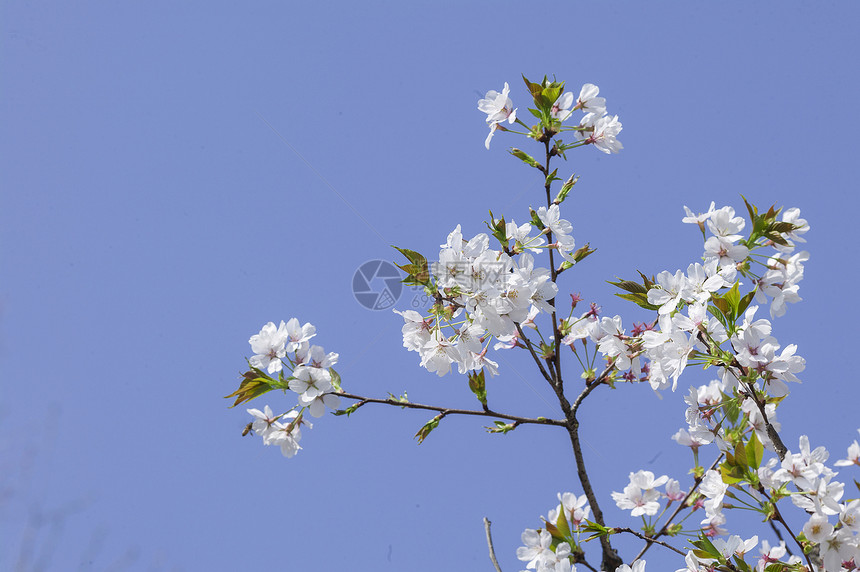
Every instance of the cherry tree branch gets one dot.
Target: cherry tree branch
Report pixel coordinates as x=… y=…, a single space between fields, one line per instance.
x=611 y=560
x=778 y=517
x=650 y=539
x=445 y=411
x=556 y=334
x=487 y=524
x=530 y=347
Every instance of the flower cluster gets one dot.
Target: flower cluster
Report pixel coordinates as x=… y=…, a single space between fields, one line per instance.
x=482 y=294
x=819 y=494
x=641 y=495
x=686 y=322
x=553 y=548
x=311 y=378
x=595 y=127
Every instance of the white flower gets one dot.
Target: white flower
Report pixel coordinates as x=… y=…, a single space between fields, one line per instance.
x=697 y=218
x=561 y=108
x=714 y=489
x=310 y=382
x=269 y=345
x=853 y=455
x=416 y=330
x=316 y=405
x=298 y=334
x=575 y=508
x=817 y=528
x=286 y=434
x=536 y=547
x=640 y=496
x=673 y=289
x=499 y=108
x=638 y=566
x=551 y=218
x=604 y=133
x=263 y=420
x=588 y=101
x=438 y=354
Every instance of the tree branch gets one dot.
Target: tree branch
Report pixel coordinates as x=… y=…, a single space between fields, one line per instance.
x=611 y=560
x=487 y=524
x=452 y=411
x=530 y=347
x=650 y=539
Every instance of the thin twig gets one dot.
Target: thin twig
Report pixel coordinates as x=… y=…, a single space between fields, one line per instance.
x=530 y=347
x=650 y=539
x=781 y=449
x=451 y=411
x=487 y=524
x=778 y=517
x=779 y=537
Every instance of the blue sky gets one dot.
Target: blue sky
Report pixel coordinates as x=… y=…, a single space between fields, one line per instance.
x=171 y=179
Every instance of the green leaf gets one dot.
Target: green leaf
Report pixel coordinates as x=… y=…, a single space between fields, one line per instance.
x=741 y=565
x=428 y=428
x=536 y=221
x=335 y=379
x=501 y=427
x=534 y=88
x=733 y=410
x=597 y=529
x=561 y=523
x=719 y=315
x=565 y=189
x=417 y=271
x=751 y=209
x=744 y=302
x=400 y=399
x=707 y=547
x=754 y=451
x=525 y=158
x=348 y=411
x=252 y=386
x=741 y=455
x=781 y=226
x=583 y=252
x=733 y=298
x=640 y=300
x=478 y=386
x=499 y=229
x=630 y=286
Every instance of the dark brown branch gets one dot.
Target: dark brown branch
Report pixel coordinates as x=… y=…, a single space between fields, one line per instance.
x=611 y=560
x=452 y=411
x=650 y=539
x=778 y=517
x=781 y=449
x=530 y=347
x=778 y=445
